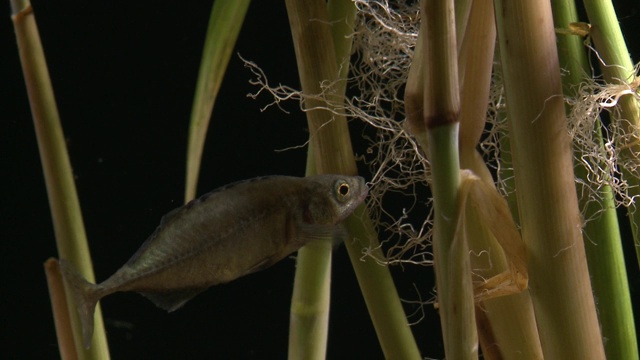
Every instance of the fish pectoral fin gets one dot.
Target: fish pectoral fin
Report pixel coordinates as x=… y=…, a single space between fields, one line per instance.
x=305 y=234
x=313 y=232
x=172 y=300
x=340 y=235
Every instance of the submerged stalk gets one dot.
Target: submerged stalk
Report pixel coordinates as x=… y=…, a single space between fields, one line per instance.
x=506 y=325
x=602 y=239
x=441 y=117
x=618 y=69
x=59 y=305
x=547 y=200
x=309 y=322
x=433 y=106
x=315 y=54
x=68 y=226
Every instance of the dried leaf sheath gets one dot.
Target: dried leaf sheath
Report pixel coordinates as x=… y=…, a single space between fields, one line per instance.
x=494 y=213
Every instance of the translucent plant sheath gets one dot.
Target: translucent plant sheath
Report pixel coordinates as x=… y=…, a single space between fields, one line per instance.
x=618 y=68
x=309 y=321
x=506 y=324
x=225 y=22
x=315 y=54
x=547 y=200
x=63 y=199
x=603 y=243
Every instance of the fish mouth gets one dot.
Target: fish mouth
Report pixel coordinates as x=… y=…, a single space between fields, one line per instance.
x=364 y=194
x=356 y=202
x=365 y=189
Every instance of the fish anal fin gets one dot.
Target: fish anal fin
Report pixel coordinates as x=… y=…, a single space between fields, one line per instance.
x=263 y=264
x=172 y=300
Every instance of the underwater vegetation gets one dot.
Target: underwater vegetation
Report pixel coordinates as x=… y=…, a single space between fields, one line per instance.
x=498 y=141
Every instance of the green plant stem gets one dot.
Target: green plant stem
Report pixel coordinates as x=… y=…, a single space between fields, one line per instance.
x=603 y=243
x=618 y=69
x=310 y=302
x=331 y=145
x=609 y=281
x=433 y=105
x=441 y=115
x=315 y=56
x=451 y=254
x=63 y=199
x=309 y=322
x=342 y=15
x=547 y=200
x=378 y=289
x=225 y=22
x=60 y=308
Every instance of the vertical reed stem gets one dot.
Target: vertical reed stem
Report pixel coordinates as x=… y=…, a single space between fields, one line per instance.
x=547 y=200
x=63 y=199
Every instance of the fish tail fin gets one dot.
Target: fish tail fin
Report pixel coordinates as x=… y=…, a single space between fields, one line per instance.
x=86 y=296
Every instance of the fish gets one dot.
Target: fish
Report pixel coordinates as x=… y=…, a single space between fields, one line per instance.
x=228 y=233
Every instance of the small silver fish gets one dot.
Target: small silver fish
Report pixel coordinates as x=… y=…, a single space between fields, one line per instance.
x=230 y=232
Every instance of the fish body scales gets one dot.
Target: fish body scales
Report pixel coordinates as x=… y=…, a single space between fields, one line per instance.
x=225 y=234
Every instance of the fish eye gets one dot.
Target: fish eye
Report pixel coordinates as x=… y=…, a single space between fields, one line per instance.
x=343 y=189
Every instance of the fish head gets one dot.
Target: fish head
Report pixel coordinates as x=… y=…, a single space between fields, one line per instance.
x=339 y=196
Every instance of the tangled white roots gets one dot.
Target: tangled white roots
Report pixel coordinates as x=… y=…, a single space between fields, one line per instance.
x=383 y=41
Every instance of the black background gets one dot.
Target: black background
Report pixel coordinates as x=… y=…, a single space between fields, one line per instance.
x=124 y=75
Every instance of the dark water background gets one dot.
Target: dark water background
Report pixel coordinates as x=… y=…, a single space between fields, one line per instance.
x=124 y=75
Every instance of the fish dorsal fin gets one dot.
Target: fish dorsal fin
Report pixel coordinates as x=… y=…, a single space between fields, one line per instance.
x=171 y=214
x=173 y=300
x=177 y=213
x=168 y=216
